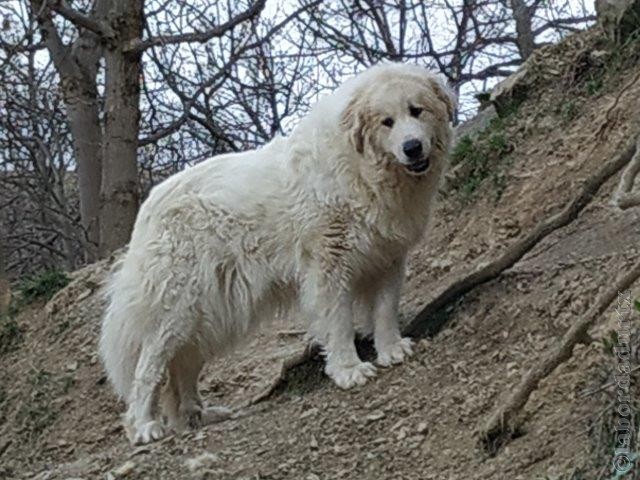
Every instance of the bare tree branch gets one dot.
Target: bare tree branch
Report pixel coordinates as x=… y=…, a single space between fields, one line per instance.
x=200 y=37
x=98 y=27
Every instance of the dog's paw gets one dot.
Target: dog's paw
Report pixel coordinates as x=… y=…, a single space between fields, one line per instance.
x=395 y=353
x=149 y=432
x=350 y=376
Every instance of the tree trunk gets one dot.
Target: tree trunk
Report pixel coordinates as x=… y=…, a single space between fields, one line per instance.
x=77 y=66
x=84 y=122
x=120 y=191
x=525 y=37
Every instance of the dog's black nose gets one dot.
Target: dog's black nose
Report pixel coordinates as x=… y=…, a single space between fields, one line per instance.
x=412 y=149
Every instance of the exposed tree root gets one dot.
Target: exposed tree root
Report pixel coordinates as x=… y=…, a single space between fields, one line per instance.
x=607 y=117
x=501 y=423
x=625 y=197
x=288 y=364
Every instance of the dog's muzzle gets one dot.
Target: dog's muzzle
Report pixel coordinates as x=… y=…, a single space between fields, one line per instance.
x=419 y=166
x=417 y=161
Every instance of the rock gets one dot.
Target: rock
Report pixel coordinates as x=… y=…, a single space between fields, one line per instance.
x=422 y=428
x=84 y=295
x=71 y=366
x=124 y=469
x=374 y=416
x=203 y=461
x=308 y=413
x=140 y=450
x=200 y=435
x=618 y=18
x=81 y=467
x=441 y=263
x=512 y=90
x=340 y=450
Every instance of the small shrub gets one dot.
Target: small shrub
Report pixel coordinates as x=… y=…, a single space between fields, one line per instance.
x=592 y=74
x=482 y=158
x=484 y=99
x=568 y=110
x=594 y=85
x=43 y=286
x=483 y=96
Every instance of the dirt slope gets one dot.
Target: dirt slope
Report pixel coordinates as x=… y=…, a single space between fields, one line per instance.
x=59 y=419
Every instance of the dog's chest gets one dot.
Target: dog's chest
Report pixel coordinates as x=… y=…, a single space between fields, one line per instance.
x=356 y=240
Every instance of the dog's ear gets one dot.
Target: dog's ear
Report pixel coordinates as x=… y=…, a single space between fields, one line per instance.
x=445 y=94
x=353 y=121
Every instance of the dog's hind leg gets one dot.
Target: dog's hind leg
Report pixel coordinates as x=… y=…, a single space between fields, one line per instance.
x=150 y=370
x=190 y=412
x=363 y=315
x=170 y=402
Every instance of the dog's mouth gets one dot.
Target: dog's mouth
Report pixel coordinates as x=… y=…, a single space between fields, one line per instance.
x=419 y=167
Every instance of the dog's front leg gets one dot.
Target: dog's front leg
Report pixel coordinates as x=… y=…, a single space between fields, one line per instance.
x=390 y=345
x=329 y=304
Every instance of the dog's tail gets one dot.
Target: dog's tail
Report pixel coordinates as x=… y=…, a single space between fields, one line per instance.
x=120 y=339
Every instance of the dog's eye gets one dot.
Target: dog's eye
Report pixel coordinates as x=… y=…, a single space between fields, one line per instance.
x=415 y=111
x=388 y=122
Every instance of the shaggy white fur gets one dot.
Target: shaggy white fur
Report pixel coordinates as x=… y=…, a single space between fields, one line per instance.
x=322 y=220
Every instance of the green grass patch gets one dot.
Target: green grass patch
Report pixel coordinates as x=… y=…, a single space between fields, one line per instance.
x=568 y=110
x=39 y=287
x=482 y=159
x=43 y=286
x=594 y=85
x=609 y=342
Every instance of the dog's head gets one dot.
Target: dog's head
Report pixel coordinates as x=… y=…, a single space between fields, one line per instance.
x=400 y=115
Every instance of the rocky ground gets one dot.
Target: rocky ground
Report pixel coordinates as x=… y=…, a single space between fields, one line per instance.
x=60 y=419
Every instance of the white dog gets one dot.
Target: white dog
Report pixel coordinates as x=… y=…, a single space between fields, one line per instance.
x=322 y=219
